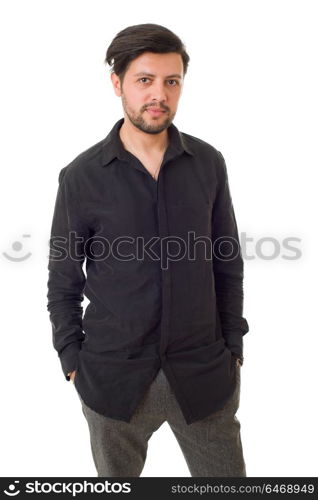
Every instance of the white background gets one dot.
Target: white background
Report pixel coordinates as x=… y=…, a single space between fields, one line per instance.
x=251 y=91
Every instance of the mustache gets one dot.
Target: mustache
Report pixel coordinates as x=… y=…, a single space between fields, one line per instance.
x=156 y=106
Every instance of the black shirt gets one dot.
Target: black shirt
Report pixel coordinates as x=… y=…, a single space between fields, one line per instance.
x=164 y=276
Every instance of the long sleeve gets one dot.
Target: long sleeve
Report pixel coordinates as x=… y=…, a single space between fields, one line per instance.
x=228 y=265
x=66 y=279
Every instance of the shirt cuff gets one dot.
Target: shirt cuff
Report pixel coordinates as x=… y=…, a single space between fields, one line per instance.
x=69 y=359
x=234 y=341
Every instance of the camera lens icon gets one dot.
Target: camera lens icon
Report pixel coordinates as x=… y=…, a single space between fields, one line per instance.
x=12 y=490
x=17 y=254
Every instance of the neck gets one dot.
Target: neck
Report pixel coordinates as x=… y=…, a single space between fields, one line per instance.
x=140 y=141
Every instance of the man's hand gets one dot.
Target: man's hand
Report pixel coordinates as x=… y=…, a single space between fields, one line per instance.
x=238 y=359
x=72 y=375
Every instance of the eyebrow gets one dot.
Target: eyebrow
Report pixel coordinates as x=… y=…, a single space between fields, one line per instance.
x=141 y=73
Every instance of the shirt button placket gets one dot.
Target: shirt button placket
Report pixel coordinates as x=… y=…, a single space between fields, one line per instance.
x=165 y=272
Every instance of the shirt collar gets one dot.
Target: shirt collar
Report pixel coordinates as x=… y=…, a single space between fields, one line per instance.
x=112 y=146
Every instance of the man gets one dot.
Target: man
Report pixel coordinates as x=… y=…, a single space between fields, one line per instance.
x=150 y=210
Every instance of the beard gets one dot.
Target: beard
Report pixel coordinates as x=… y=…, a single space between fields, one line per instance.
x=152 y=126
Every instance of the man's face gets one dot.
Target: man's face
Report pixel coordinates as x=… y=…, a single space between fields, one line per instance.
x=152 y=81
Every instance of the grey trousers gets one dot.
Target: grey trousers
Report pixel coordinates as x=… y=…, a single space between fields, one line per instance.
x=211 y=447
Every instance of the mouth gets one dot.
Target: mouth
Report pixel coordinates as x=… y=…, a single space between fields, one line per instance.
x=155 y=111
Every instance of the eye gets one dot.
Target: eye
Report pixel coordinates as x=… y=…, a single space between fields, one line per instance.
x=176 y=82
x=143 y=78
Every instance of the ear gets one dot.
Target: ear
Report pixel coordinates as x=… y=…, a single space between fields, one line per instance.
x=116 y=84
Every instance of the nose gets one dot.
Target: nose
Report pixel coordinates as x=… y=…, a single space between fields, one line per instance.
x=158 y=92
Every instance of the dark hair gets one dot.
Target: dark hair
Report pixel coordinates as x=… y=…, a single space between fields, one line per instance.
x=133 y=41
